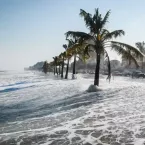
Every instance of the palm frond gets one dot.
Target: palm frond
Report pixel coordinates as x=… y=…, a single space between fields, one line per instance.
x=83 y=13
x=96 y=15
x=138 y=44
x=113 y=34
x=141 y=46
x=77 y=35
x=97 y=18
x=124 y=53
x=69 y=54
x=104 y=32
x=86 y=50
x=64 y=46
x=135 y=52
x=105 y=20
x=74 y=49
x=55 y=60
x=88 y=20
x=70 y=42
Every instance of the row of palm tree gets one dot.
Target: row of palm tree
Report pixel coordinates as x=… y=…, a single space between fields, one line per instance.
x=72 y=49
x=99 y=40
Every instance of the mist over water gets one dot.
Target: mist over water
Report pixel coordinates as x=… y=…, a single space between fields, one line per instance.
x=46 y=110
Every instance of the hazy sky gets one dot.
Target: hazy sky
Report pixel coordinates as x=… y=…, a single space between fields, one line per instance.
x=33 y=30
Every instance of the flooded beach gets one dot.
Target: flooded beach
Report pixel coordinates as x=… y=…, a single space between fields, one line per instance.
x=46 y=110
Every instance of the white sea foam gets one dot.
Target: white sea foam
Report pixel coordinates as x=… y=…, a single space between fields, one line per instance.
x=48 y=110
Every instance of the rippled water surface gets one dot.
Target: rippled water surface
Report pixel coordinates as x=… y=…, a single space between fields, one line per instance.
x=38 y=109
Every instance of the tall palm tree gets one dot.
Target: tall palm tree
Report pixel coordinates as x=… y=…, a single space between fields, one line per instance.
x=55 y=60
x=62 y=57
x=77 y=50
x=67 y=66
x=51 y=66
x=74 y=50
x=59 y=68
x=74 y=63
x=141 y=47
x=45 y=67
x=68 y=56
x=59 y=65
x=99 y=39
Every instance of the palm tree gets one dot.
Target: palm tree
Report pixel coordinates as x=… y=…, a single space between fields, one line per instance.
x=99 y=39
x=62 y=58
x=45 y=67
x=141 y=47
x=68 y=54
x=77 y=50
x=59 y=65
x=55 y=60
x=67 y=57
x=51 y=66
x=74 y=50
x=67 y=67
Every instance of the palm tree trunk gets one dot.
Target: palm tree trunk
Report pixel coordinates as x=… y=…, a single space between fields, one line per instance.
x=54 y=70
x=129 y=62
x=96 y=79
x=74 y=65
x=142 y=63
x=66 y=75
x=62 y=68
x=59 y=69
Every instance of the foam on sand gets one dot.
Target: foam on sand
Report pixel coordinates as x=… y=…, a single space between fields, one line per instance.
x=93 y=88
x=55 y=111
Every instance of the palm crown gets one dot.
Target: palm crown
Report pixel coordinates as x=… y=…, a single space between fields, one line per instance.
x=99 y=39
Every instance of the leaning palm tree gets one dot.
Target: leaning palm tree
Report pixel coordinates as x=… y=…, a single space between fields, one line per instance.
x=76 y=49
x=141 y=47
x=99 y=39
x=68 y=54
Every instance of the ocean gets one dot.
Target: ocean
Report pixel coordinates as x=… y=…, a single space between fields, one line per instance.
x=39 y=109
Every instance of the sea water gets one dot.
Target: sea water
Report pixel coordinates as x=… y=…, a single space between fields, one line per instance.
x=39 y=109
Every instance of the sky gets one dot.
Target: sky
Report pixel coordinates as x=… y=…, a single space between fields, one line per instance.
x=33 y=30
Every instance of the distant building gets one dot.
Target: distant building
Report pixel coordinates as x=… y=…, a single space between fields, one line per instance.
x=115 y=65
